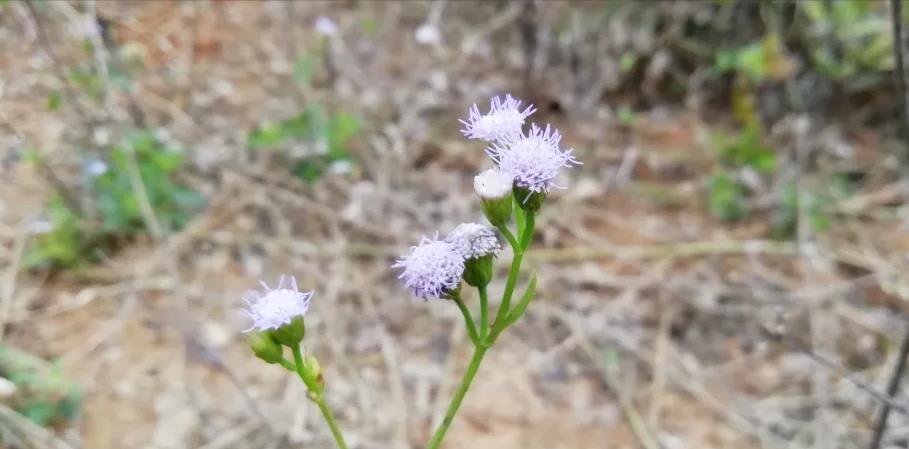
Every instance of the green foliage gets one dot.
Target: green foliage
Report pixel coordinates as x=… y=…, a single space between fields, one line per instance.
x=849 y=38
x=62 y=245
x=746 y=149
x=626 y=115
x=156 y=165
x=727 y=197
x=54 y=99
x=141 y=170
x=89 y=82
x=324 y=137
x=757 y=61
x=43 y=394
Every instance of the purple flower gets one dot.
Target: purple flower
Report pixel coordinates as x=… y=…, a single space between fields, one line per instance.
x=432 y=268
x=505 y=118
x=275 y=307
x=534 y=159
x=473 y=240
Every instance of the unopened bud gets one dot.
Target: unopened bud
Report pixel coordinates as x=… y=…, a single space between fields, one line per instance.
x=478 y=271
x=265 y=347
x=529 y=200
x=494 y=189
x=312 y=370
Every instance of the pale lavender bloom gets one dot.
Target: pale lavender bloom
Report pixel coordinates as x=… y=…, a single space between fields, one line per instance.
x=473 y=240
x=325 y=26
x=432 y=268
x=95 y=168
x=505 y=118
x=534 y=159
x=492 y=184
x=275 y=307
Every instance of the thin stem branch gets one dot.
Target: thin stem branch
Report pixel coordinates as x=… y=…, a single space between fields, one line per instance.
x=484 y=312
x=288 y=365
x=893 y=388
x=478 y=353
x=509 y=290
x=501 y=321
x=468 y=319
x=900 y=47
x=330 y=419
x=508 y=236
x=317 y=397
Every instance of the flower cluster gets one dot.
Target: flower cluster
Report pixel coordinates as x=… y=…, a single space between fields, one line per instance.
x=274 y=307
x=532 y=160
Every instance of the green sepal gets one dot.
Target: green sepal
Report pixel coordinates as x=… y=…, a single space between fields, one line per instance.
x=453 y=293
x=478 y=271
x=498 y=210
x=290 y=334
x=265 y=347
x=529 y=200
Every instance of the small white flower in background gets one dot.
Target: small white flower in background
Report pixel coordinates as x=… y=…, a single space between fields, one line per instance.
x=493 y=184
x=432 y=268
x=534 y=159
x=275 y=307
x=40 y=227
x=505 y=119
x=95 y=168
x=473 y=240
x=427 y=34
x=325 y=26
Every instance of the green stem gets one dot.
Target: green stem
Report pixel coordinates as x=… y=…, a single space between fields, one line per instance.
x=509 y=289
x=288 y=365
x=528 y=230
x=330 y=419
x=484 y=312
x=316 y=396
x=468 y=319
x=478 y=353
x=502 y=315
x=508 y=236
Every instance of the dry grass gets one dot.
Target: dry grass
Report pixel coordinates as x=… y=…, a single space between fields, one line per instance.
x=656 y=326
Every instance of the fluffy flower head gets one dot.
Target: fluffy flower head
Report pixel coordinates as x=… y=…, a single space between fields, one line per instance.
x=272 y=308
x=493 y=184
x=534 y=159
x=473 y=240
x=432 y=268
x=505 y=118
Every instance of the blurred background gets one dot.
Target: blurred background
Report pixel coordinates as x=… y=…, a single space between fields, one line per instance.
x=728 y=269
